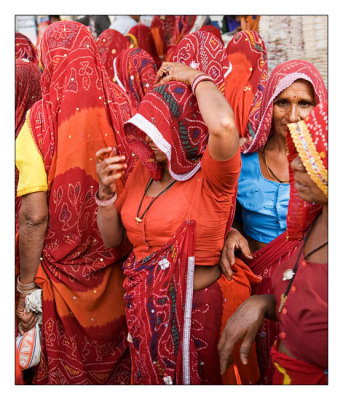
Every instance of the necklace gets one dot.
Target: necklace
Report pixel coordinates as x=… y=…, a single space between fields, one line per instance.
x=140 y=218
x=290 y=274
x=270 y=171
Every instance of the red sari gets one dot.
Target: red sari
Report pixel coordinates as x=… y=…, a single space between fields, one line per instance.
x=142 y=37
x=83 y=330
x=259 y=127
x=157 y=280
x=110 y=44
x=24 y=48
x=135 y=72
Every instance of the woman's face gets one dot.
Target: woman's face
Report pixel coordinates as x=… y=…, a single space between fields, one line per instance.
x=292 y=105
x=160 y=157
x=304 y=185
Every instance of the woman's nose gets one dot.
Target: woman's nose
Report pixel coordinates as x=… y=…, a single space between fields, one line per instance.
x=293 y=115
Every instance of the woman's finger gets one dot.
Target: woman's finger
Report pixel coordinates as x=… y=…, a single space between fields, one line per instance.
x=225 y=348
x=100 y=154
x=245 y=348
x=113 y=160
x=225 y=266
x=113 y=168
x=245 y=249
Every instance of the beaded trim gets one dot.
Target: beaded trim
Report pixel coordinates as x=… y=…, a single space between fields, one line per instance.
x=187 y=322
x=150 y=129
x=309 y=155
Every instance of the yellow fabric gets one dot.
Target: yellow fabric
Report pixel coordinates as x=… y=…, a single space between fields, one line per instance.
x=28 y=160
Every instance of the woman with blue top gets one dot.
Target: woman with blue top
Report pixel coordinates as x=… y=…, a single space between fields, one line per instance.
x=292 y=91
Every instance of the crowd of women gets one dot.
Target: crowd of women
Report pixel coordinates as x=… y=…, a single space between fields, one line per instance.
x=171 y=209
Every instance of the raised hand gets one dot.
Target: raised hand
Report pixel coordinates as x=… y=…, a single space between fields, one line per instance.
x=110 y=167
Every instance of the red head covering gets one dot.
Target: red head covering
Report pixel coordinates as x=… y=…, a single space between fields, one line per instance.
x=260 y=119
x=110 y=44
x=170 y=116
x=183 y=24
x=74 y=80
x=203 y=51
x=309 y=140
x=24 y=48
x=135 y=71
x=212 y=29
x=80 y=112
x=248 y=75
x=27 y=90
x=142 y=37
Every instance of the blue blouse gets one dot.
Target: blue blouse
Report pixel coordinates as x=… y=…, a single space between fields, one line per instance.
x=264 y=203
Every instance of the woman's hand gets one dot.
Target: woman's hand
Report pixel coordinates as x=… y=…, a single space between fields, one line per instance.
x=243 y=325
x=27 y=320
x=234 y=241
x=176 y=72
x=110 y=167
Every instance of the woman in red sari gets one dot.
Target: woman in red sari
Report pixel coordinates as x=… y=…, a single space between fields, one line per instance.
x=291 y=92
x=83 y=333
x=110 y=44
x=299 y=295
x=140 y=36
x=135 y=72
x=174 y=210
x=24 y=48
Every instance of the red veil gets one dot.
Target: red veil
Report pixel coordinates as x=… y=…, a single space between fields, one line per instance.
x=83 y=330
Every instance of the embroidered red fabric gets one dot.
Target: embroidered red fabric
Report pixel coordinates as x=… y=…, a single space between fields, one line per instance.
x=214 y=30
x=313 y=150
x=135 y=72
x=203 y=51
x=24 y=48
x=27 y=90
x=245 y=84
x=110 y=44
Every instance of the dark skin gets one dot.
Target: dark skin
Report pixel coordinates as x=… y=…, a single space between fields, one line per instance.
x=33 y=222
x=223 y=144
x=248 y=318
x=291 y=105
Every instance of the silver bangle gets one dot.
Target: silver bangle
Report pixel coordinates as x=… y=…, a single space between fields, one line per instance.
x=105 y=203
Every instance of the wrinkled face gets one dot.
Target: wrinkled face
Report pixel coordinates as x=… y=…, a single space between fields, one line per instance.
x=292 y=105
x=160 y=157
x=304 y=185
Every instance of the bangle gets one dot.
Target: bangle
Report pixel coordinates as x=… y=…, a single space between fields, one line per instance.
x=26 y=288
x=105 y=203
x=198 y=79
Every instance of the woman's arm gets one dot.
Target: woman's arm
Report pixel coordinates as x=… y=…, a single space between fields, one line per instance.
x=214 y=108
x=33 y=222
x=110 y=168
x=244 y=325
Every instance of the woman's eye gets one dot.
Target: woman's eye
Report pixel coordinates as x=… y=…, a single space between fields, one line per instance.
x=281 y=102
x=305 y=103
